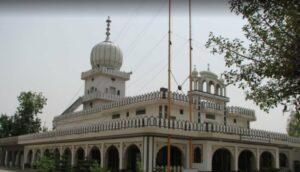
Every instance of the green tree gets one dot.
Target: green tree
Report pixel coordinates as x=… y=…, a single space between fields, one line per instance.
x=25 y=119
x=268 y=66
x=45 y=164
x=6 y=125
x=293 y=127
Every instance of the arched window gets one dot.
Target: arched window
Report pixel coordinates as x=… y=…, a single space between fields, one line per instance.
x=197 y=155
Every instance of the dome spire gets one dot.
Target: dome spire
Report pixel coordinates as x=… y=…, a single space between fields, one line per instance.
x=208 y=67
x=108 y=21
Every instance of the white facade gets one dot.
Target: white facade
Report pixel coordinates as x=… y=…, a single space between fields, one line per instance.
x=112 y=128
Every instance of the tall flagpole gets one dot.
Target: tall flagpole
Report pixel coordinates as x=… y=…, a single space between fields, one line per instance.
x=190 y=81
x=169 y=90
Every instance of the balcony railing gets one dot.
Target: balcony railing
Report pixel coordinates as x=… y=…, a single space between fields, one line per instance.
x=151 y=121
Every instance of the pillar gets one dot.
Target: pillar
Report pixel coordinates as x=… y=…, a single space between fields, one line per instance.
x=150 y=154
x=32 y=157
x=72 y=156
x=277 y=158
x=236 y=159
x=5 y=159
x=121 y=156
x=144 y=153
x=207 y=156
x=102 y=155
x=257 y=159
x=86 y=151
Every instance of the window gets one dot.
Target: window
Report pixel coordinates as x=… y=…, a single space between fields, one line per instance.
x=115 y=116
x=106 y=90
x=197 y=155
x=225 y=120
x=181 y=111
x=98 y=65
x=199 y=117
x=118 y=92
x=113 y=79
x=127 y=114
x=112 y=90
x=248 y=124
x=91 y=105
x=140 y=112
x=166 y=111
x=92 y=79
x=210 y=116
x=160 y=111
x=234 y=120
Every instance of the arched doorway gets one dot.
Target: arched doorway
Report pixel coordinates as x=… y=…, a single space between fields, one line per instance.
x=283 y=161
x=20 y=158
x=66 y=159
x=222 y=160
x=133 y=158
x=246 y=161
x=37 y=155
x=47 y=153
x=112 y=162
x=79 y=156
x=9 y=158
x=29 y=159
x=56 y=156
x=197 y=155
x=95 y=155
x=266 y=161
x=15 y=158
x=176 y=157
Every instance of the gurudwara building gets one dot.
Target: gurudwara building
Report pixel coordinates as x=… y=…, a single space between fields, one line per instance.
x=119 y=131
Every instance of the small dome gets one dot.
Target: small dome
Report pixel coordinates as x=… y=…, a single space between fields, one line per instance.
x=106 y=54
x=208 y=74
x=194 y=72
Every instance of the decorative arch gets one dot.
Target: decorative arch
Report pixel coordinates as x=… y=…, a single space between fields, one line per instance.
x=266 y=160
x=37 y=155
x=112 y=159
x=20 y=158
x=15 y=158
x=246 y=161
x=176 y=157
x=79 y=156
x=56 y=156
x=29 y=157
x=222 y=160
x=9 y=157
x=133 y=157
x=67 y=158
x=95 y=154
x=197 y=155
x=204 y=86
x=47 y=153
x=211 y=87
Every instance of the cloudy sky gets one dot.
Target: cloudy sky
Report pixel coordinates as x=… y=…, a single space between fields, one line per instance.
x=44 y=47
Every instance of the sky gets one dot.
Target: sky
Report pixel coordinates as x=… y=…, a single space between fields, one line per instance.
x=45 y=45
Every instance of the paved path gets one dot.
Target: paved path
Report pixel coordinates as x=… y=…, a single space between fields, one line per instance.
x=13 y=170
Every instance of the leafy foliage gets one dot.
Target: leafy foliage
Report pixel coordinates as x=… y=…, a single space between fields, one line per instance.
x=25 y=119
x=45 y=164
x=6 y=125
x=294 y=124
x=268 y=68
x=95 y=167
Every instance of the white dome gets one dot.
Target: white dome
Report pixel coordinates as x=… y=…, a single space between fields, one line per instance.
x=106 y=54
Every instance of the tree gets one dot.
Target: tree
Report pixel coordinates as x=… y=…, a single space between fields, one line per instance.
x=294 y=124
x=6 y=125
x=25 y=119
x=268 y=68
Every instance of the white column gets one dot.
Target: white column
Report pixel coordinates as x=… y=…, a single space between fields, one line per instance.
x=32 y=157
x=236 y=159
x=6 y=156
x=121 y=156
x=72 y=156
x=144 y=154
x=150 y=154
x=102 y=155
x=277 y=158
x=207 y=156
x=257 y=159
x=86 y=152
